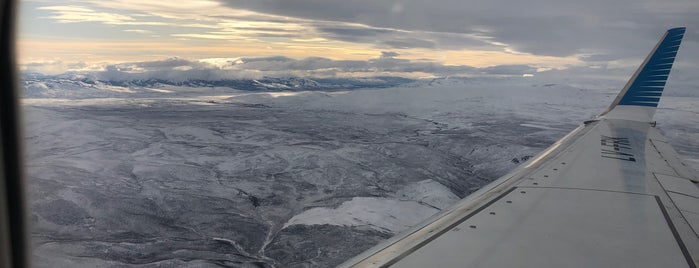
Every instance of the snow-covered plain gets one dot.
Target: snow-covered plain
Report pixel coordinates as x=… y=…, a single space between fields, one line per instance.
x=166 y=175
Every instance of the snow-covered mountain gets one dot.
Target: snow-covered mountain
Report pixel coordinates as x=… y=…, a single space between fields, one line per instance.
x=80 y=86
x=279 y=172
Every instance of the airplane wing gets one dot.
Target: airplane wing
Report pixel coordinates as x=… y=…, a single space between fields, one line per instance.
x=612 y=193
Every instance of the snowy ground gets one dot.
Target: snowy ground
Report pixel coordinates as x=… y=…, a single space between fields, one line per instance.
x=287 y=179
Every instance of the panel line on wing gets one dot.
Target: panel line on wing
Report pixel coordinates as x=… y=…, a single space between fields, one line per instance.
x=676 y=234
x=451 y=226
x=584 y=189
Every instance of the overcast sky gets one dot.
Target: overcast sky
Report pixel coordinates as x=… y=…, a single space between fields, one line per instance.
x=417 y=37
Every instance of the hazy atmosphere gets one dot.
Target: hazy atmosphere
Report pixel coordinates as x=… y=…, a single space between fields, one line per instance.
x=298 y=133
x=343 y=38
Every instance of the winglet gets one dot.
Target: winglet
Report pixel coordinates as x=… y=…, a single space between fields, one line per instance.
x=640 y=96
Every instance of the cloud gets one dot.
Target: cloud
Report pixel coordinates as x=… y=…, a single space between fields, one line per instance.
x=75 y=14
x=397 y=39
x=178 y=69
x=510 y=69
x=193 y=19
x=138 y=31
x=403 y=43
x=357 y=32
x=232 y=23
x=388 y=54
x=541 y=27
x=618 y=29
x=451 y=35
x=53 y=67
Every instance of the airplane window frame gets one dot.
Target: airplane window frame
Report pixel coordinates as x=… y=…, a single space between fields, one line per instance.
x=13 y=230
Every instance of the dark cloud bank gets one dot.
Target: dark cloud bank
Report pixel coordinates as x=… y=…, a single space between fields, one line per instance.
x=610 y=29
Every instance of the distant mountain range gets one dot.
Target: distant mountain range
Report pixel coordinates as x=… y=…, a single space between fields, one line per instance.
x=39 y=85
x=79 y=86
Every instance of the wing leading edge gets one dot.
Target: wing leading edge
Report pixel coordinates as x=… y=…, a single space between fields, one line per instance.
x=611 y=193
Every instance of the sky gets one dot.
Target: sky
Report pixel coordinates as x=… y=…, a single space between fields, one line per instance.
x=415 y=38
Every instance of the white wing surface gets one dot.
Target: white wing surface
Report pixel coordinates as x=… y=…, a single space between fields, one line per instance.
x=612 y=193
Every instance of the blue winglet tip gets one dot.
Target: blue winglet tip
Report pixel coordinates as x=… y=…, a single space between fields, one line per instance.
x=647 y=87
x=677 y=30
